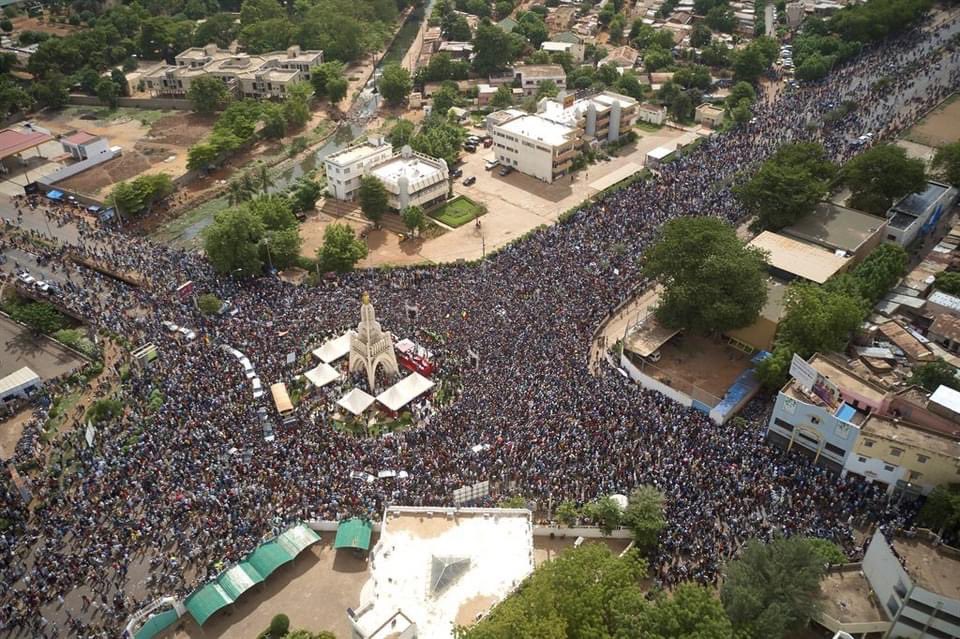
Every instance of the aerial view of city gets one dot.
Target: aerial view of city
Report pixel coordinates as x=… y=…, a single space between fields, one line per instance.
x=480 y=319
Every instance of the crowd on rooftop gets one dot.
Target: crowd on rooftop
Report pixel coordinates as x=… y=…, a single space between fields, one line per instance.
x=168 y=495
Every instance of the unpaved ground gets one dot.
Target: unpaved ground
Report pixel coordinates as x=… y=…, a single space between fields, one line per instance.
x=939 y=128
x=24 y=23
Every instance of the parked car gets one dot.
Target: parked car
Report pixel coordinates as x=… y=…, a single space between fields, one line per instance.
x=43 y=287
x=506 y=170
x=490 y=164
x=457 y=172
x=26 y=278
x=470 y=181
x=470 y=148
x=487 y=142
x=473 y=139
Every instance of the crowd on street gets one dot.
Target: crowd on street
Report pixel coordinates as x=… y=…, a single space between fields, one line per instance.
x=173 y=491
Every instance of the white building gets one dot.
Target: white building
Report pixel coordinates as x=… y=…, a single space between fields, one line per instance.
x=250 y=76
x=918 y=213
x=575 y=49
x=435 y=568
x=544 y=144
x=531 y=76
x=410 y=178
x=82 y=145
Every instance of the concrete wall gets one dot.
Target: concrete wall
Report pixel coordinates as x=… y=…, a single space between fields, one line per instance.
x=652 y=384
x=78 y=167
x=136 y=103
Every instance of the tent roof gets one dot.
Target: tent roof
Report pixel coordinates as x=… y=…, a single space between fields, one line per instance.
x=405 y=391
x=322 y=374
x=203 y=603
x=156 y=624
x=334 y=349
x=298 y=539
x=238 y=579
x=18 y=379
x=268 y=557
x=356 y=401
x=353 y=533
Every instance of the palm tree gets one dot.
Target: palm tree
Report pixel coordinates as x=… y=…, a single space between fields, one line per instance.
x=249 y=184
x=237 y=192
x=263 y=178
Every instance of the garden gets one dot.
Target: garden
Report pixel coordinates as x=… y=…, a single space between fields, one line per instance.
x=457 y=211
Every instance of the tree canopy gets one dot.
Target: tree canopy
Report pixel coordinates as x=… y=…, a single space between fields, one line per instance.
x=712 y=281
x=644 y=516
x=933 y=375
x=208 y=94
x=373 y=198
x=395 y=84
x=946 y=163
x=942 y=510
x=232 y=242
x=880 y=175
x=772 y=589
x=341 y=249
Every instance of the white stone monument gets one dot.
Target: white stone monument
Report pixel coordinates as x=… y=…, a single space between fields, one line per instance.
x=371 y=346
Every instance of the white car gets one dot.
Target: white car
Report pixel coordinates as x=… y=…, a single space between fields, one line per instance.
x=43 y=286
x=26 y=278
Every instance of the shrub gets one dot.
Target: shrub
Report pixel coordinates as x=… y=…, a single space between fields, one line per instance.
x=279 y=626
x=104 y=410
x=208 y=303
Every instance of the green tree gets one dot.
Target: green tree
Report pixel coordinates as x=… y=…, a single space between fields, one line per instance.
x=341 y=249
x=605 y=513
x=41 y=317
x=281 y=248
x=52 y=92
x=220 y=29
x=232 y=242
x=440 y=138
x=947 y=163
x=208 y=303
x=941 y=512
x=202 y=156
x=208 y=94
x=567 y=513
x=948 y=282
x=933 y=375
x=493 y=49
x=819 y=318
x=772 y=588
x=448 y=96
x=304 y=197
x=296 y=106
x=395 y=84
x=754 y=59
x=739 y=92
x=712 y=282
x=656 y=58
x=401 y=133
x=275 y=211
x=827 y=551
x=322 y=75
x=280 y=624
x=108 y=93
x=373 y=198
x=715 y=55
x=414 y=218
x=547 y=89
x=337 y=90
x=253 y=11
x=644 y=516
x=585 y=593
x=104 y=410
x=514 y=501
x=880 y=175
x=880 y=272
x=700 y=36
x=692 y=612
x=721 y=18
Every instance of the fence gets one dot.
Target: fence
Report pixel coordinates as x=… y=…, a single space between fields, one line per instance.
x=178 y=104
x=77 y=167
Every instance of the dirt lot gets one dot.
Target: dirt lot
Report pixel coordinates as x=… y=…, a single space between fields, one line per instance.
x=152 y=142
x=940 y=127
x=24 y=23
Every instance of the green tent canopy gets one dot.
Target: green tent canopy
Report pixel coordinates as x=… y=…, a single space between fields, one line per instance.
x=239 y=579
x=298 y=539
x=268 y=557
x=353 y=533
x=156 y=624
x=206 y=601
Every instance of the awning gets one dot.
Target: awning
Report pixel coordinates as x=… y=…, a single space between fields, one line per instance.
x=353 y=533
x=156 y=624
x=404 y=391
x=269 y=557
x=334 y=349
x=322 y=374
x=239 y=579
x=55 y=195
x=203 y=603
x=298 y=539
x=356 y=401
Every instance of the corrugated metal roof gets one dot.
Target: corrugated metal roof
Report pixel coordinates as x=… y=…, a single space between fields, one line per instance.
x=947 y=397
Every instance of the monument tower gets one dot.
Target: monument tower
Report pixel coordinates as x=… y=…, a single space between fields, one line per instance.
x=371 y=346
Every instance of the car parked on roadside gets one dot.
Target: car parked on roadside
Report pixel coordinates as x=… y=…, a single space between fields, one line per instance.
x=470 y=181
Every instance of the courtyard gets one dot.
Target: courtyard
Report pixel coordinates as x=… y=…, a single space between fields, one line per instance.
x=940 y=127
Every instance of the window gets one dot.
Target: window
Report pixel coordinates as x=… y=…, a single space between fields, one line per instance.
x=893 y=606
x=892 y=238
x=862 y=460
x=868 y=443
x=888 y=468
x=900 y=589
x=836 y=450
x=915 y=475
x=782 y=424
x=896 y=452
x=814 y=420
x=922 y=459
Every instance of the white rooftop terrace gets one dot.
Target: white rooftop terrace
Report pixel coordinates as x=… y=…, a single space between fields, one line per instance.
x=443 y=567
x=356 y=153
x=418 y=169
x=539 y=128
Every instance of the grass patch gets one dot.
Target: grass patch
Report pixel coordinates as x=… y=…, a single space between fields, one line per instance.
x=649 y=127
x=457 y=211
x=62 y=406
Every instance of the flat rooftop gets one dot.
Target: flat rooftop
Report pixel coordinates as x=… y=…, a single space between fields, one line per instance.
x=845 y=379
x=356 y=153
x=902 y=220
x=648 y=335
x=846 y=596
x=917 y=203
x=798 y=258
x=906 y=434
x=541 y=129
x=776 y=297
x=932 y=568
x=443 y=567
x=835 y=227
x=418 y=170
x=540 y=70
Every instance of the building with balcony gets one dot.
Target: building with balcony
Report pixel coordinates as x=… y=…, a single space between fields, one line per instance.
x=918 y=213
x=531 y=76
x=410 y=178
x=249 y=76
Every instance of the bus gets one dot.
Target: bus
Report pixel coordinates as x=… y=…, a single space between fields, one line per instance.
x=281 y=399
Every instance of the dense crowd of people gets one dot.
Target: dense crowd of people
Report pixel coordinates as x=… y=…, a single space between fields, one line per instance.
x=171 y=492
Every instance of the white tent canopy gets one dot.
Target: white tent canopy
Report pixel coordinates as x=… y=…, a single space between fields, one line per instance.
x=404 y=391
x=356 y=401
x=18 y=382
x=334 y=349
x=322 y=374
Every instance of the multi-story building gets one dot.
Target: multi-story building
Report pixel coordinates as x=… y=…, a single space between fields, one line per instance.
x=410 y=178
x=849 y=424
x=917 y=214
x=250 y=76
x=544 y=144
x=915 y=581
x=531 y=76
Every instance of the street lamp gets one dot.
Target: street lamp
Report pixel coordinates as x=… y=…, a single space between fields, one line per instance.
x=266 y=242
